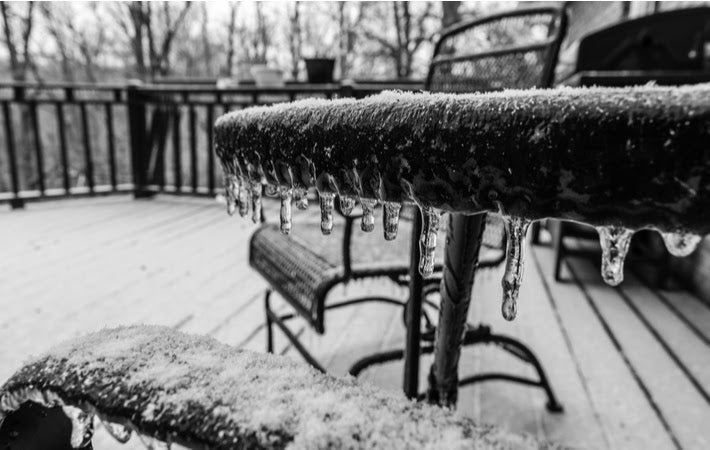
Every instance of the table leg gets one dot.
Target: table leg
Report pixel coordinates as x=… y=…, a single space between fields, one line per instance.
x=414 y=312
x=463 y=241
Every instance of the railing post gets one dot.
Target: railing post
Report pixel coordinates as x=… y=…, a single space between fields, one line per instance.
x=140 y=150
x=346 y=89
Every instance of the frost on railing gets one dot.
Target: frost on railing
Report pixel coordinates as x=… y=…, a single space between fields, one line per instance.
x=619 y=159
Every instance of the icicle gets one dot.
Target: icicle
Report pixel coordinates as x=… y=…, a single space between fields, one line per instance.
x=347 y=204
x=82 y=426
x=681 y=243
x=427 y=240
x=516 y=229
x=327 y=202
x=390 y=219
x=300 y=196
x=119 y=432
x=615 y=244
x=243 y=197
x=231 y=188
x=285 y=210
x=256 y=201
x=271 y=190
x=368 y=214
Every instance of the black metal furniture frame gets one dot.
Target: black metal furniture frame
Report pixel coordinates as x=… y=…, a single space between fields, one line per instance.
x=419 y=288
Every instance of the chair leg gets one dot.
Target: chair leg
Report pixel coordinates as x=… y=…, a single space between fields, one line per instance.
x=535 y=231
x=269 y=323
x=557 y=228
x=482 y=335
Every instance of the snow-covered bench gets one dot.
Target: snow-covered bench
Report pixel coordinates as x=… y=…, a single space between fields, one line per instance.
x=197 y=392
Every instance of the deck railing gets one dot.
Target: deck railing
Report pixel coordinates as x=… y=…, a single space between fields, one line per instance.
x=66 y=140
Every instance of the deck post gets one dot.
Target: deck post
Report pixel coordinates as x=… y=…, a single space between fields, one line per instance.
x=140 y=146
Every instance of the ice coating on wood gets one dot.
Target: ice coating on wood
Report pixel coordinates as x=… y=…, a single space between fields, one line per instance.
x=634 y=156
x=680 y=243
x=300 y=196
x=200 y=393
x=368 y=214
x=243 y=197
x=347 y=204
x=256 y=201
x=431 y=220
x=82 y=426
x=516 y=229
x=285 y=213
x=390 y=219
x=231 y=188
x=327 y=203
x=119 y=432
x=615 y=242
x=271 y=190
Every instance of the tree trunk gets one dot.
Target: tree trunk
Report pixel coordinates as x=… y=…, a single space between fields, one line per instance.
x=451 y=14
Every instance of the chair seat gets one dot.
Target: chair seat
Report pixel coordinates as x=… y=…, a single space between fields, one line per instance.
x=200 y=393
x=303 y=266
x=301 y=275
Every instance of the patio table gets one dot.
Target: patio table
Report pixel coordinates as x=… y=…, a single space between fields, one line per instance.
x=621 y=159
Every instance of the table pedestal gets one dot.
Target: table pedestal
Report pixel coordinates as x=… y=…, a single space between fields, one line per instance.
x=463 y=242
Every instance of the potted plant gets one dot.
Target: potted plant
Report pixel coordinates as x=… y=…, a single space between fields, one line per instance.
x=320 y=69
x=265 y=76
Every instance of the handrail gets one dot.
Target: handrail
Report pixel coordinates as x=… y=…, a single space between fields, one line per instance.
x=74 y=139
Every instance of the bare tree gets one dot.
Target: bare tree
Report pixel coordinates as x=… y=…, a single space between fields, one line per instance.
x=257 y=41
x=17 y=31
x=231 y=44
x=75 y=45
x=205 y=35
x=409 y=34
x=451 y=13
x=151 y=29
x=295 y=38
x=348 y=27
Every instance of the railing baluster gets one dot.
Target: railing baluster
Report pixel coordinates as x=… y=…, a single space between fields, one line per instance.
x=193 y=147
x=38 y=147
x=61 y=130
x=177 y=152
x=10 y=141
x=111 y=146
x=87 y=147
x=210 y=153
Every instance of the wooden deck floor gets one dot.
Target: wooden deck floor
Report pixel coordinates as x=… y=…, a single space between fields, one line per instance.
x=630 y=364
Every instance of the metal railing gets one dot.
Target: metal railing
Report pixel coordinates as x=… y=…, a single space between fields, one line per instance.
x=67 y=140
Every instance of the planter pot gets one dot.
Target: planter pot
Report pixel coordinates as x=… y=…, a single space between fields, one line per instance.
x=267 y=76
x=320 y=70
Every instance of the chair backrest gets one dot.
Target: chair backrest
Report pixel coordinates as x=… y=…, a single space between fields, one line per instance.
x=514 y=49
x=672 y=40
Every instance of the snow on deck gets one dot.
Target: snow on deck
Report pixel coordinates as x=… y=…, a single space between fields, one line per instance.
x=631 y=364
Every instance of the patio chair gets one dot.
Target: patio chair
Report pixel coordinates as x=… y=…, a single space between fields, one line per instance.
x=646 y=49
x=516 y=49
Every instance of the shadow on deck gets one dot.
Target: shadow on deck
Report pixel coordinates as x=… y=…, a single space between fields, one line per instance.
x=630 y=364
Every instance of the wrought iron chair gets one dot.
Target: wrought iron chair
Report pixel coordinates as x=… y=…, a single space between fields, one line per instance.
x=664 y=48
x=516 y=49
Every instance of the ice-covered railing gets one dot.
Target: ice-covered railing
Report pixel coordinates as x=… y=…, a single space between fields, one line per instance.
x=194 y=391
x=621 y=159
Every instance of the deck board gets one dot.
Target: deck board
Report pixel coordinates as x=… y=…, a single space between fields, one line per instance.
x=630 y=365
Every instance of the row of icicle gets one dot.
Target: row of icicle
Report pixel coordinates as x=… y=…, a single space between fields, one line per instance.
x=242 y=194
x=83 y=430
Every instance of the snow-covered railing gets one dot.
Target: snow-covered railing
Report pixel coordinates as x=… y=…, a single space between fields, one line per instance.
x=619 y=159
x=194 y=391
x=77 y=139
